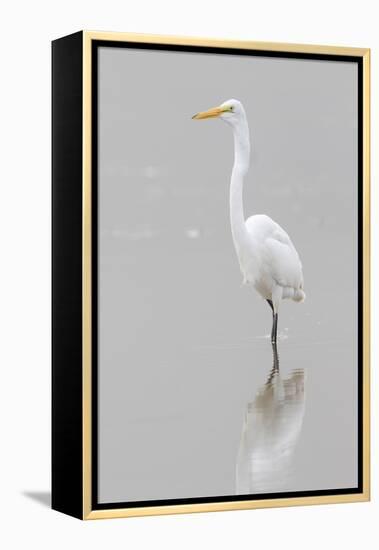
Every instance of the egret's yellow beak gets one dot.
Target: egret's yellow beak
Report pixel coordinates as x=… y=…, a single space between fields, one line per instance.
x=211 y=113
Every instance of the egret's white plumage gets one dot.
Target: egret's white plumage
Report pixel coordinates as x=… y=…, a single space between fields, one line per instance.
x=266 y=254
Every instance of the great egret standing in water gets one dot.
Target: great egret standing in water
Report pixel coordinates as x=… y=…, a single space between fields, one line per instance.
x=267 y=257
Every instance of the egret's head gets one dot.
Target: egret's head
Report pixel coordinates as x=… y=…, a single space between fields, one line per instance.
x=230 y=111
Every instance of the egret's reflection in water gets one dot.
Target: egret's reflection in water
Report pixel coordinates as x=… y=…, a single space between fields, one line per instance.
x=270 y=431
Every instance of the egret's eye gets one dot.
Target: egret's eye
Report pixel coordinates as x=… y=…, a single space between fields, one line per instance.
x=231 y=108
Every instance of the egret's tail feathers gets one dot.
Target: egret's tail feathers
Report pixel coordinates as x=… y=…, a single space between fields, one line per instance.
x=295 y=294
x=299 y=295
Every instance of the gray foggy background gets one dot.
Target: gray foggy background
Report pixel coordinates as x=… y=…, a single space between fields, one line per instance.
x=183 y=348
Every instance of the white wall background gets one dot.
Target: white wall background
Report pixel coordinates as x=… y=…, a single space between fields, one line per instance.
x=27 y=28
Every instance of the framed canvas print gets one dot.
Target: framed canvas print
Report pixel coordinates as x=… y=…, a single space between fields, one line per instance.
x=210 y=275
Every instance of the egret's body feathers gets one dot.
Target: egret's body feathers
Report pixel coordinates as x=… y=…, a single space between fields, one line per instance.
x=270 y=259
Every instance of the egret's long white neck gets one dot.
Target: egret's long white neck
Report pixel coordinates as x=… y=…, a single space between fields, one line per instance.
x=240 y=168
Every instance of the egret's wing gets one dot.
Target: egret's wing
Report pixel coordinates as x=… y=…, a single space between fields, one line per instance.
x=262 y=227
x=279 y=257
x=282 y=260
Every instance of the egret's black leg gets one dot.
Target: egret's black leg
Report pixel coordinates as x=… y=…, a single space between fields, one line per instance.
x=274 y=331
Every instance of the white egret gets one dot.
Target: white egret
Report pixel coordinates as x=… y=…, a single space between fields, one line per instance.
x=267 y=257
